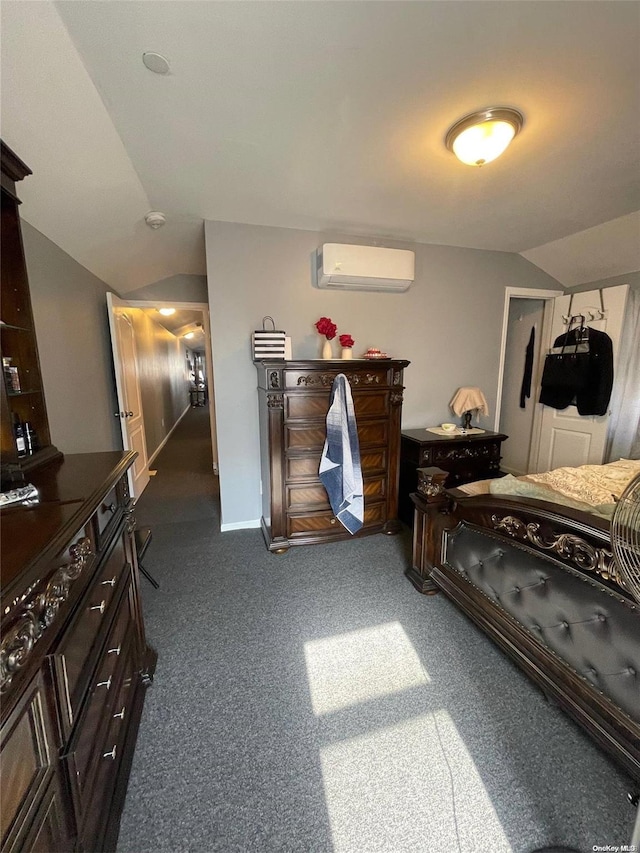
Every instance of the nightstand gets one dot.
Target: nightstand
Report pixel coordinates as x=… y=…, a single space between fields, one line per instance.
x=465 y=457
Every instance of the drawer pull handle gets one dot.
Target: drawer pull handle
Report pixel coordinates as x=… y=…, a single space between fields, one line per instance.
x=120 y=714
x=111 y=755
x=333 y=521
x=100 y=606
x=111 y=582
x=115 y=651
x=106 y=683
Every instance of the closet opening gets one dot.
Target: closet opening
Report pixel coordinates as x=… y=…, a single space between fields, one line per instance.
x=526 y=335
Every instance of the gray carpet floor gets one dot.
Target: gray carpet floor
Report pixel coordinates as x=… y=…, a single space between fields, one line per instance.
x=314 y=701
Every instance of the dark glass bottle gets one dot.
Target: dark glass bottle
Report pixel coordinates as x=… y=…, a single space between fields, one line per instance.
x=19 y=433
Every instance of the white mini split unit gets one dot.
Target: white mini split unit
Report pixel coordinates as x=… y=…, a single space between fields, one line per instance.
x=340 y=266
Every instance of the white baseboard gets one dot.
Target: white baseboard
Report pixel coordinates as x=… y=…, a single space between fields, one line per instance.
x=512 y=471
x=166 y=438
x=240 y=525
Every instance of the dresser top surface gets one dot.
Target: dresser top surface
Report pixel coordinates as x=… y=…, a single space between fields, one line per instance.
x=423 y=436
x=330 y=363
x=69 y=491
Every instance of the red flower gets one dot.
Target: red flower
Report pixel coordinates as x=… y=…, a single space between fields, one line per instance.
x=327 y=328
x=346 y=341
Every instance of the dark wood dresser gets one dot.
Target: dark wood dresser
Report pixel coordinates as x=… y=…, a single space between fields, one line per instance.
x=465 y=457
x=294 y=401
x=74 y=660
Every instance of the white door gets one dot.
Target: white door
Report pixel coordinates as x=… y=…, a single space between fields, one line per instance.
x=123 y=345
x=567 y=438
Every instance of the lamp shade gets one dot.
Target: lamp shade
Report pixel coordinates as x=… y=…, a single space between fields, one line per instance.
x=467 y=399
x=481 y=137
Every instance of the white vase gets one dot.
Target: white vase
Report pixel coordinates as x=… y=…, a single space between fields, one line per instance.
x=347 y=353
x=326 y=349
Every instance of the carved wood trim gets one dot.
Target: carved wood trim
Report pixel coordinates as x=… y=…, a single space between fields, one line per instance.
x=479 y=452
x=326 y=379
x=431 y=482
x=40 y=611
x=274 y=379
x=275 y=401
x=130 y=520
x=568 y=546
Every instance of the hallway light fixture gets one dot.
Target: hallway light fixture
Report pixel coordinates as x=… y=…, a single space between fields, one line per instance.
x=480 y=137
x=189 y=335
x=166 y=312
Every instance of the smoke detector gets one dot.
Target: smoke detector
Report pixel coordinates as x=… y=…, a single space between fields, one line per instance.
x=156 y=62
x=155 y=219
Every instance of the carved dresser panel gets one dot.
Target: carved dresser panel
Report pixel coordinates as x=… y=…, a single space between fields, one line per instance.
x=465 y=458
x=293 y=402
x=74 y=660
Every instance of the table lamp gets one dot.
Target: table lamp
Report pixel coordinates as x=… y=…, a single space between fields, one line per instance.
x=467 y=400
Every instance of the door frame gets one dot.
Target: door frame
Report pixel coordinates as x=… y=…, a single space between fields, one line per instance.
x=116 y=310
x=547 y=296
x=208 y=354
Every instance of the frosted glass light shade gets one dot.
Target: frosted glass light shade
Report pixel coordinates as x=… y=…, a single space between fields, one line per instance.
x=481 y=137
x=482 y=143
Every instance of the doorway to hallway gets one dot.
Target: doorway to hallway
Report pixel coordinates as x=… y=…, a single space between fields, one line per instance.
x=184 y=487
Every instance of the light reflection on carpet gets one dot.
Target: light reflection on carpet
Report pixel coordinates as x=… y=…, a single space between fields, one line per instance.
x=347 y=669
x=390 y=791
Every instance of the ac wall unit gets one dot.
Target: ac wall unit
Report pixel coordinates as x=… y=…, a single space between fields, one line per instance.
x=340 y=266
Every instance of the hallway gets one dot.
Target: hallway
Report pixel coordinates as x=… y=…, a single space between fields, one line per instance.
x=185 y=488
x=313 y=702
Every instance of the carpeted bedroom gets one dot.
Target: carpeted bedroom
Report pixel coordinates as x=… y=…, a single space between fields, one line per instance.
x=314 y=701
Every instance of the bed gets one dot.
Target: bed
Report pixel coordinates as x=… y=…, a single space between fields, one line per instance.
x=536 y=574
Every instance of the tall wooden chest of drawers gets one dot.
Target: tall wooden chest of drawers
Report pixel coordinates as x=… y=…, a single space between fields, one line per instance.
x=294 y=401
x=74 y=661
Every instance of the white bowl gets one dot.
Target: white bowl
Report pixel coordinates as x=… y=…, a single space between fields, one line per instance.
x=448 y=427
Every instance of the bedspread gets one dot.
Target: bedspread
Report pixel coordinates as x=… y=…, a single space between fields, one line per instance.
x=591 y=488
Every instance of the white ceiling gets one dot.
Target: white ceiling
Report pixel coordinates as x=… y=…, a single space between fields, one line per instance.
x=601 y=252
x=183 y=321
x=317 y=115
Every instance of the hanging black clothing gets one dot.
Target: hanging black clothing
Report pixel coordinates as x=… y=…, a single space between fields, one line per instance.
x=525 y=391
x=593 y=392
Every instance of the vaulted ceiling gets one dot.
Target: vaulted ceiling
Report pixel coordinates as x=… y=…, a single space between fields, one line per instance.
x=322 y=116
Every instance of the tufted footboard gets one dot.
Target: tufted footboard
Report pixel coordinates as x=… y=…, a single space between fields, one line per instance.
x=543 y=586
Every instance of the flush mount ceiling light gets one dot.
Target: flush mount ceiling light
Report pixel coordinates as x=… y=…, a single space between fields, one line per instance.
x=167 y=312
x=156 y=62
x=189 y=335
x=481 y=137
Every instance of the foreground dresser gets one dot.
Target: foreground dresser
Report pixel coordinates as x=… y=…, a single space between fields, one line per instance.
x=294 y=400
x=74 y=661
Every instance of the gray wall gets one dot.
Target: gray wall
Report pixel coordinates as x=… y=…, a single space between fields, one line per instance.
x=70 y=315
x=176 y=288
x=630 y=278
x=448 y=324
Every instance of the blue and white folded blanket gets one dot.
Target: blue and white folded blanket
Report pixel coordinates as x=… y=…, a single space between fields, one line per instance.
x=340 y=471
